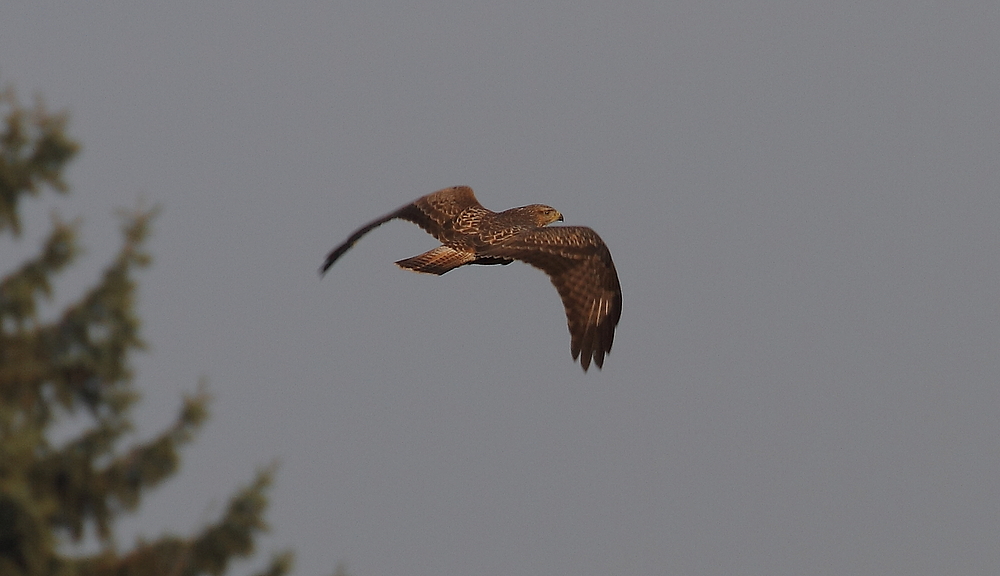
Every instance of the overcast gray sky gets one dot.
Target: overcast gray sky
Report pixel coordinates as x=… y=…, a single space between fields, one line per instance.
x=801 y=199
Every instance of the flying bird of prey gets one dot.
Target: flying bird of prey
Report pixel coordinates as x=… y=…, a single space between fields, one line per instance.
x=574 y=257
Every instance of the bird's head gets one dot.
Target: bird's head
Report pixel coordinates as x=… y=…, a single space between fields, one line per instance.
x=543 y=214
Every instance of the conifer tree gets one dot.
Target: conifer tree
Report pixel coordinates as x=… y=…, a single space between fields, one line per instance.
x=75 y=366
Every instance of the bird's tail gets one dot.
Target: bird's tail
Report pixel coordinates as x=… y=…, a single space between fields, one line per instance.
x=437 y=261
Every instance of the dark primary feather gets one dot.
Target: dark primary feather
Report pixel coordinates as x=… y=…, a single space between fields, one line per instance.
x=337 y=252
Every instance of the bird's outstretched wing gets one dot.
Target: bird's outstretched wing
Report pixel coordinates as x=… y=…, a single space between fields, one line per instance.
x=436 y=213
x=580 y=267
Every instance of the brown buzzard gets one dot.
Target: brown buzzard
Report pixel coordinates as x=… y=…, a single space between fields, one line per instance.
x=574 y=257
